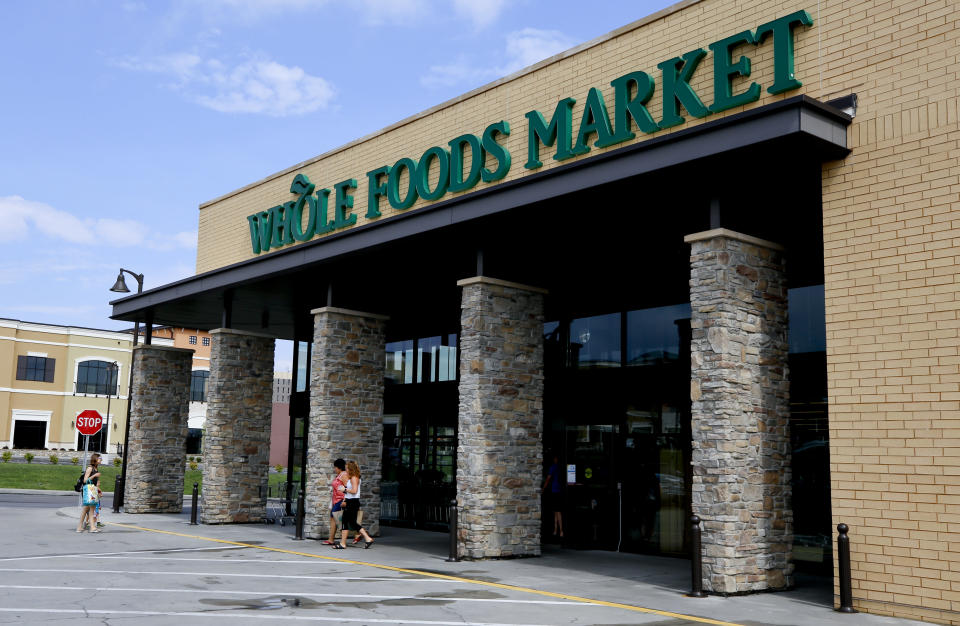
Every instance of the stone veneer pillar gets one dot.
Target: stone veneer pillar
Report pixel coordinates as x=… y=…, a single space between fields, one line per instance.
x=740 y=410
x=500 y=431
x=236 y=435
x=346 y=411
x=156 y=454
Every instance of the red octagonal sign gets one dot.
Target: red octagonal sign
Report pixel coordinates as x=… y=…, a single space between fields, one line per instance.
x=89 y=422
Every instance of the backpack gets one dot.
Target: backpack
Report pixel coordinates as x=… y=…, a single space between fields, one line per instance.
x=79 y=486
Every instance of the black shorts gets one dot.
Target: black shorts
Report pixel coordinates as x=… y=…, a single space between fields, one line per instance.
x=350 y=508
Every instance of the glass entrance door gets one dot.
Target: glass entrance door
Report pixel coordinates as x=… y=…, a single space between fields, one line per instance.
x=592 y=503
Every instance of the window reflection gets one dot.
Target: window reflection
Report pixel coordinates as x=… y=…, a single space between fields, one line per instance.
x=595 y=341
x=303 y=357
x=424 y=360
x=808 y=324
x=652 y=334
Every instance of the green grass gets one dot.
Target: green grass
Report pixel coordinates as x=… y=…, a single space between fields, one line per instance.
x=63 y=477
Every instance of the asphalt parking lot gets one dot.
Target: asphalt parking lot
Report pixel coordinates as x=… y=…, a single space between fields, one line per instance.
x=155 y=569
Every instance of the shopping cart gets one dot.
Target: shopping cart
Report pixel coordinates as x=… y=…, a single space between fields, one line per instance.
x=280 y=505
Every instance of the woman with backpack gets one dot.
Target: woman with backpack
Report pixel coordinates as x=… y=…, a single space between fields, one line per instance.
x=90 y=492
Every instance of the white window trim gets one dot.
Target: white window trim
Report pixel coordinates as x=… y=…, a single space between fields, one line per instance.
x=84 y=359
x=30 y=416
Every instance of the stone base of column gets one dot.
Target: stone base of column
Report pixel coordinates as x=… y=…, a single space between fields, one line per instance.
x=236 y=436
x=346 y=412
x=740 y=412
x=156 y=454
x=501 y=419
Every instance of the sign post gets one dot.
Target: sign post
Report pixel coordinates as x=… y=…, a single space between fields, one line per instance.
x=89 y=422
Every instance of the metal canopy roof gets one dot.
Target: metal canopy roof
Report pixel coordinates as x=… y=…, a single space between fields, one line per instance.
x=267 y=293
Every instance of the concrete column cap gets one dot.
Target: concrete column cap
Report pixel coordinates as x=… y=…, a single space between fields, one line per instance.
x=339 y=311
x=234 y=331
x=142 y=346
x=486 y=280
x=731 y=234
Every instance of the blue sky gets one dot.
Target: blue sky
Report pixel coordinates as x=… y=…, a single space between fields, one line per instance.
x=118 y=118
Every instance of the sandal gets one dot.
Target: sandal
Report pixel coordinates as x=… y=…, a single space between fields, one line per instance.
x=338 y=546
x=327 y=542
x=96 y=531
x=356 y=539
x=367 y=544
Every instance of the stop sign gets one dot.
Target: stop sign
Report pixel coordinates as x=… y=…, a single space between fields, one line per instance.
x=89 y=422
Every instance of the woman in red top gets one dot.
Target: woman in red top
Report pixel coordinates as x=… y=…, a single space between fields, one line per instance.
x=337 y=487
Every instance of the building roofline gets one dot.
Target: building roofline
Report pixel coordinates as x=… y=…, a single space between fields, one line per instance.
x=662 y=13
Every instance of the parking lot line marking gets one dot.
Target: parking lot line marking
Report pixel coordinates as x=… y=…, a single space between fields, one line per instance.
x=483 y=583
x=298 y=594
x=133 y=556
x=259 y=615
x=84 y=555
x=394 y=579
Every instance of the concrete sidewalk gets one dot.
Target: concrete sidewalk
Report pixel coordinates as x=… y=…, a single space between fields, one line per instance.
x=652 y=582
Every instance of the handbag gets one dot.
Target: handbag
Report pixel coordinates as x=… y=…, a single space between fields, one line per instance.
x=90 y=497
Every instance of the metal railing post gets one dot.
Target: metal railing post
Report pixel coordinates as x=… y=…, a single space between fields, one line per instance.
x=843 y=557
x=696 y=560
x=454 y=557
x=193 y=504
x=300 y=515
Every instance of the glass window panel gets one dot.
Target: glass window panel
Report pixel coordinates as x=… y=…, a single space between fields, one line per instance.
x=427 y=364
x=303 y=358
x=653 y=335
x=399 y=362
x=35 y=368
x=807 y=330
x=97 y=377
x=451 y=357
x=198 y=386
x=595 y=341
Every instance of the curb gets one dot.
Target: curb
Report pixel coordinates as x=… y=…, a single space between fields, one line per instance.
x=43 y=492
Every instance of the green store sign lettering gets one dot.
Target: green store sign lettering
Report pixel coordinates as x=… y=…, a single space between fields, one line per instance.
x=283 y=224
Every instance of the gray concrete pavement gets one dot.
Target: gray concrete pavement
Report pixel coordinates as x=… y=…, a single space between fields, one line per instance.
x=157 y=569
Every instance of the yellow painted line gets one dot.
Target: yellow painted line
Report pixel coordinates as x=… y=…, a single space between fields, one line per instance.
x=551 y=594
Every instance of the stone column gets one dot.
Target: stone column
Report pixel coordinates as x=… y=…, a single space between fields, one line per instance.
x=501 y=419
x=236 y=435
x=158 y=429
x=740 y=410
x=346 y=411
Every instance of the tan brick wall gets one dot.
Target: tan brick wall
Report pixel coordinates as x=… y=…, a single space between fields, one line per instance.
x=891 y=218
x=891 y=226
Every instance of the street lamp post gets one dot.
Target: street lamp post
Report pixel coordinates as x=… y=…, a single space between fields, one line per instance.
x=121 y=287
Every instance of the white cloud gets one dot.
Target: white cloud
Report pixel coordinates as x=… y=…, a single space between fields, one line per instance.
x=532 y=45
x=522 y=48
x=480 y=12
x=252 y=86
x=21 y=218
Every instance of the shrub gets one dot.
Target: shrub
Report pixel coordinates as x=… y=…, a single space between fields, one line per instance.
x=117 y=461
x=198 y=459
x=6 y=456
x=75 y=460
x=29 y=457
x=54 y=459
x=278 y=467
x=193 y=465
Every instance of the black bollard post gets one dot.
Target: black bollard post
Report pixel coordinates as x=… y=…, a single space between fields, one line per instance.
x=193 y=504
x=843 y=557
x=454 y=557
x=117 y=494
x=696 y=559
x=299 y=536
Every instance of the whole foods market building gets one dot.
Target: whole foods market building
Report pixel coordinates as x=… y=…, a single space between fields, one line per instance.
x=658 y=257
